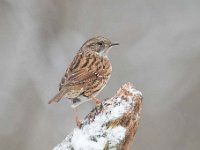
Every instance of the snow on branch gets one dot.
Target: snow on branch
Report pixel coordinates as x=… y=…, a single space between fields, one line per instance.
x=111 y=125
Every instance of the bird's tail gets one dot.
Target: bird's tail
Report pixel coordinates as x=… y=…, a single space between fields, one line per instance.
x=58 y=97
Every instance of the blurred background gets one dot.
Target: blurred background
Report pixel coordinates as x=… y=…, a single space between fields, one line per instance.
x=159 y=52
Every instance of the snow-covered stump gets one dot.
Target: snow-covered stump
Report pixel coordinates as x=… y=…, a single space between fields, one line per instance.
x=111 y=125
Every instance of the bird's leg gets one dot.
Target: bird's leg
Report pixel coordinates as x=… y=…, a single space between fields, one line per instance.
x=78 y=123
x=97 y=101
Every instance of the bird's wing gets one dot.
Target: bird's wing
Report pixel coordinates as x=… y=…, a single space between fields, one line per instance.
x=79 y=72
x=79 y=77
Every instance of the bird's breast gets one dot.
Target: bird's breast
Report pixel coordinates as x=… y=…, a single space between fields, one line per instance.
x=107 y=67
x=103 y=69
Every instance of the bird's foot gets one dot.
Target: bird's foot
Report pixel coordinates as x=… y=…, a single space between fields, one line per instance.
x=78 y=122
x=97 y=101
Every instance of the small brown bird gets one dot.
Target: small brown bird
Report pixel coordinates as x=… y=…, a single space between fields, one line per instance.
x=88 y=73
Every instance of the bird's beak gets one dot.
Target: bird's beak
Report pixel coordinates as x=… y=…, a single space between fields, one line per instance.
x=113 y=44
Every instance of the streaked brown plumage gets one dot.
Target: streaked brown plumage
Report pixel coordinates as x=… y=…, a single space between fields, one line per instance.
x=88 y=73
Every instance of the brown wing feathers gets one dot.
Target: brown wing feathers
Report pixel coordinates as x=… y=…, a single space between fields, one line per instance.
x=86 y=72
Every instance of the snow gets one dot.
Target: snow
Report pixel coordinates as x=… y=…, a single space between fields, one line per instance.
x=115 y=135
x=95 y=135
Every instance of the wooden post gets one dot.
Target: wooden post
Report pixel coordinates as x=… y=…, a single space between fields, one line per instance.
x=111 y=125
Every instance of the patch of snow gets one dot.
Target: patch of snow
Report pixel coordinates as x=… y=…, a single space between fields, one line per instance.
x=95 y=135
x=134 y=91
x=115 y=135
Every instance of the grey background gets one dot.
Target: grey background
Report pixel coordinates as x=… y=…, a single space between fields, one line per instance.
x=159 y=52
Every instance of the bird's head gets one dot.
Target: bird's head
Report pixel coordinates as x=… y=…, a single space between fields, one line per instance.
x=100 y=45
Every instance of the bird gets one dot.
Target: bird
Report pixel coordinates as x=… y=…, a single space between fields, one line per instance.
x=87 y=74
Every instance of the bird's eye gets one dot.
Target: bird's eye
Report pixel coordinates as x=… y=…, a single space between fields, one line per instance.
x=100 y=46
x=100 y=43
